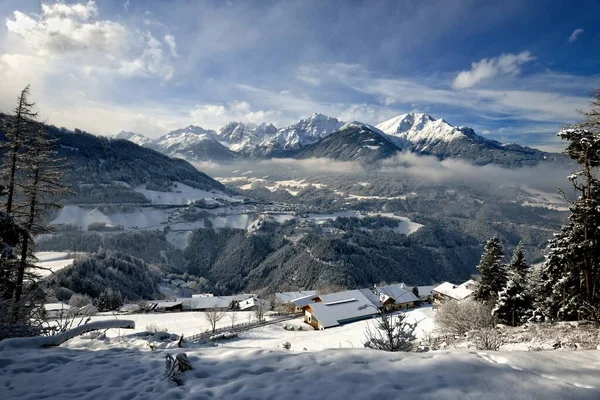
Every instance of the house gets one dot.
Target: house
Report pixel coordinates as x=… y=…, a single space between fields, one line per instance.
x=425 y=293
x=397 y=297
x=165 y=306
x=329 y=310
x=56 y=310
x=449 y=291
x=296 y=300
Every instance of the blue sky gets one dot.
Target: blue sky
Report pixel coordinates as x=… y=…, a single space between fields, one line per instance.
x=516 y=71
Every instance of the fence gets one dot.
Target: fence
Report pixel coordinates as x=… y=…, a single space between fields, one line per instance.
x=244 y=326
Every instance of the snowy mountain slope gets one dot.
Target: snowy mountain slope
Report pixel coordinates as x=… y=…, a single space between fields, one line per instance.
x=193 y=143
x=266 y=140
x=136 y=138
x=423 y=134
x=354 y=141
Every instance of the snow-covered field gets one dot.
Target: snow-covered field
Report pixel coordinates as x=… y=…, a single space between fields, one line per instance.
x=270 y=336
x=52 y=261
x=255 y=366
x=181 y=195
x=236 y=373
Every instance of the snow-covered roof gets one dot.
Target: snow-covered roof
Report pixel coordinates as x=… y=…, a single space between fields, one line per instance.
x=456 y=292
x=425 y=290
x=56 y=306
x=196 y=303
x=165 y=304
x=289 y=297
x=338 y=308
x=399 y=292
x=372 y=296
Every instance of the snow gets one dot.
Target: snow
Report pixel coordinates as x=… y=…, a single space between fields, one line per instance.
x=421 y=128
x=222 y=372
x=52 y=261
x=405 y=225
x=254 y=366
x=539 y=198
x=82 y=217
x=182 y=194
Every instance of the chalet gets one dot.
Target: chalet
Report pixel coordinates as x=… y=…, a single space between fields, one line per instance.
x=397 y=297
x=329 y=310
x=449 y=291
x=296 y=300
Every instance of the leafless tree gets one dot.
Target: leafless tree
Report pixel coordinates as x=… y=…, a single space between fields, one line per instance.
x=259 y=311
x=213 y=316
x=233 y=317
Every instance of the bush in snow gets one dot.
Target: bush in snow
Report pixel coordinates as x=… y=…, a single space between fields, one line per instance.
x=174 y=367
x=222 y=336
x=488 y=339
x=287 y=345
x=460 y=317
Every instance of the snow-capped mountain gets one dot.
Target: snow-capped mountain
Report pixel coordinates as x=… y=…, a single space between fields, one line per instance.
x=306 y=131
x=194 y=143
x=354 y=141
x=245 y=138
x=136 y=138
x=266 y=140
x=423 y=134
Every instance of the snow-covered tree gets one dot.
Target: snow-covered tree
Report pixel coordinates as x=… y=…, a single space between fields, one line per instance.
x=391 y=332
x=514 y=301
x=492 y=270
x=570 y=282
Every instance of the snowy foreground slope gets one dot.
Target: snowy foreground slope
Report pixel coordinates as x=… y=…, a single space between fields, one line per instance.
x=243 y=373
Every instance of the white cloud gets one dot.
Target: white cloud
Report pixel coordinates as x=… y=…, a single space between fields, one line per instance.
x=170 y=41
x=71 y=35
x=573 y=37
x=215 y=116
x=126 y=6
x=152 y=61
x=506 y=64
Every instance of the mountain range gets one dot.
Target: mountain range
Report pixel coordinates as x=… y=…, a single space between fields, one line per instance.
x=327 y=137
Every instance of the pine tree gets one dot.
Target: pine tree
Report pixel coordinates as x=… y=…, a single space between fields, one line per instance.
x=514 y=302
x=493 y=272
x=16 y=130
x=571 y=274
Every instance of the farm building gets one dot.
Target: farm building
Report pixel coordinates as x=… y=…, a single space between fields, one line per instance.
x=297 y=300
x=425 y=293
x=215 y=302
x=397 y=297
x=450 y=291
x=335 y=309
x=165 y=306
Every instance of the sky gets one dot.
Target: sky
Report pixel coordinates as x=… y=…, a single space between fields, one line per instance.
x=516 y=71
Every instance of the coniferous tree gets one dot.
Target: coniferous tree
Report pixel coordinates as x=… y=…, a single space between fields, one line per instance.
x=514 y=301
x=571 y=274
x=493 y=272
x=40 y=184
x=16 y=130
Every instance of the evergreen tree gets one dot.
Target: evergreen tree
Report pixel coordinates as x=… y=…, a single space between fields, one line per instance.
x=493 y=272
x=514 y=301
x=571 y=274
